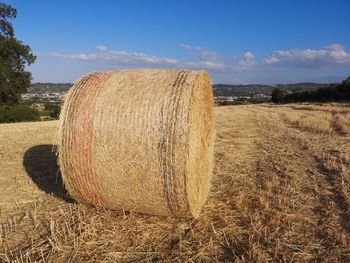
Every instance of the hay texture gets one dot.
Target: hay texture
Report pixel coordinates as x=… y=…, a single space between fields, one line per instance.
x=139 y=140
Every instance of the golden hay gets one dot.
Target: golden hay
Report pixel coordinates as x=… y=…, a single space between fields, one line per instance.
x=139 y=140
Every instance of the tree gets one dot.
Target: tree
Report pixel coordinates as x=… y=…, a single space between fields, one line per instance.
x=344 y=89
x=331 y=92
x=14 y=55
x=278 y=95
x=55 y=113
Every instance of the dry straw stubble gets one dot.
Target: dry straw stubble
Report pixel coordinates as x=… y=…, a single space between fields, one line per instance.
x=139 y=140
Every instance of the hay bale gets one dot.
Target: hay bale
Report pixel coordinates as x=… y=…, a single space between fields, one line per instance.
x=139 y=140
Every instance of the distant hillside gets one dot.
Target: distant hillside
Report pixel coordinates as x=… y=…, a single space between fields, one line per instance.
x=251 y=89
x=219 y=89
x=41 y=88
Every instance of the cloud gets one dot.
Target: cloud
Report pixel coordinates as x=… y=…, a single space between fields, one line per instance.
x=102 y=48
x=75 y=56
x=210 y=65
x=119 y=57
x=210 y=60
x=201 y=53
x=185 y=46
x=271 y=60
x=247 y=62
x=330 y=55
x=206 y=60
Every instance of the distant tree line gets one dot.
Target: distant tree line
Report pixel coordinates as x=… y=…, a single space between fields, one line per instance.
x=332 y=92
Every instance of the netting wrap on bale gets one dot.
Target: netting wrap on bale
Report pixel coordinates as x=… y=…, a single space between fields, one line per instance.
x=139 y=140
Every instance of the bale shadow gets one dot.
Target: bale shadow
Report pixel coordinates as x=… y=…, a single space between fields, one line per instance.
x=40 y=163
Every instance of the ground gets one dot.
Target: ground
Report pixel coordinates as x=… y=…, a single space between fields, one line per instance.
x=280 y=192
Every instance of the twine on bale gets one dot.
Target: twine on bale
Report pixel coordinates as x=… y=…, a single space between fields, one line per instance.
x=139 y=140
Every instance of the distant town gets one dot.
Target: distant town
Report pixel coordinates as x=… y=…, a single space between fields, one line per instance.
x=40 y=94
x=44 y=97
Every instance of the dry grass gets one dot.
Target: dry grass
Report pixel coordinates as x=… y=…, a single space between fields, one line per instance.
x=327 y=107
x=342 y=122
x=280 y=193
x=326 y=119
x=321 y=122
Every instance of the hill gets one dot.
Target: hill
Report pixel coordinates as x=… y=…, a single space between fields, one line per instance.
x=251 y=89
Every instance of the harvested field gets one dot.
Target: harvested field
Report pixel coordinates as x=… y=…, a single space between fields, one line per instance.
x=280 y=192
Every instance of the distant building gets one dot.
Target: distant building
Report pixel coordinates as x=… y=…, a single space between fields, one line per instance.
x=38 y=106
x=260 y=96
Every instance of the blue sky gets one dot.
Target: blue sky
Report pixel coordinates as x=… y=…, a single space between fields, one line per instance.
x=237 y=42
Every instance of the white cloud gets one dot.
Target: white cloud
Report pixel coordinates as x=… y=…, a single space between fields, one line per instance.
x=330 y=55
x=102 y=48
x=206 y=60
x=201 y=53
x=119 y=57
x=335 y=47
x=207 y=65
x=248 y=61
x=210 y=60
x=271 y=60
x=248 y=55
x=185 y=46
x=75 y=56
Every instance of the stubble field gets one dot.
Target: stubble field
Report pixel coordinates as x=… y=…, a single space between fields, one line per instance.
x=280 y=193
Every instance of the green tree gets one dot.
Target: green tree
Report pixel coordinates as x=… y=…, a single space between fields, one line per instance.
x=278 y=95
x=344 y=89
x=14 y=56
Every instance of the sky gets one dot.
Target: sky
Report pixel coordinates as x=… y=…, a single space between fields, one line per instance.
x=237 y=42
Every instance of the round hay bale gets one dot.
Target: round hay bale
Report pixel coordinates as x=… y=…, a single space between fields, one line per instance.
x=139 y=140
